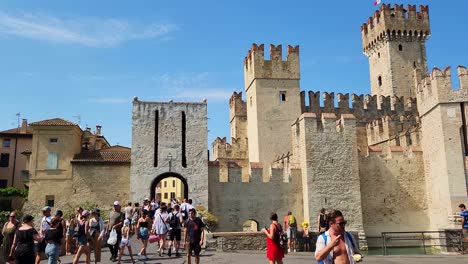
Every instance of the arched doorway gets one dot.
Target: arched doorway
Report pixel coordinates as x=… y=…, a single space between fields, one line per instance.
x=161 y=178
x=250 y=225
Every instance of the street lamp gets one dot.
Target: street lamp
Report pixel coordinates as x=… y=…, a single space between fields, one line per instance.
x=169 y=158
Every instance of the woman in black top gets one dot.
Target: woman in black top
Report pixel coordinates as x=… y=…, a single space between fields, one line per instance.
x=53 y=238
x=23 y=243
x=322 y=221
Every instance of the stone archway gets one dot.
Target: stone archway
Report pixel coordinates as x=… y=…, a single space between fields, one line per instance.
x=163 y=176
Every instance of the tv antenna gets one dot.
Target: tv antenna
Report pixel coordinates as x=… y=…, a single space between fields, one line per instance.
x=78 y=118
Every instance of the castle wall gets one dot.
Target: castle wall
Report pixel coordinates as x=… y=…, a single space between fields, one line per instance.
x=235 y=202
x=144 y=169
x=101 y=184
x=442 y=142
x=330 y=168
x=393 y=191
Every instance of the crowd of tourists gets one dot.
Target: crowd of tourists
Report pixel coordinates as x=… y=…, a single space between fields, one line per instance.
x=85 y=232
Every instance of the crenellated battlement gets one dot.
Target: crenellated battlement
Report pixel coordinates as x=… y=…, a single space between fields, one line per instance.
x=395 y=23
x=237 y=107
x=365 y=108
x=231 y=171
x=329 y=122
x=394 y=131
x=436 y=88
x=256 y=66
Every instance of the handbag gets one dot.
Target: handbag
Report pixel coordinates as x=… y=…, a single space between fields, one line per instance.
x=112 y=238
x=153 y=238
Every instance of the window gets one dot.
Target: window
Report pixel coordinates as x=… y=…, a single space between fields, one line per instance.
x=4 y=159
x=282 y=96
x=378 y=55
x=400 y=47
x=251 y=101
x=49 y=200
x=3 y=183
x=165 y=184
x=6 y=143
x=173 y=183
x=172 y=195
x=52 y=161
x=53 y=140
x=380 y=80
x=165 y=196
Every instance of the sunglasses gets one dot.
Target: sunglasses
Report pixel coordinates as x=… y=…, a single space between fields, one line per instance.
x=342 y=223
x=12 y=216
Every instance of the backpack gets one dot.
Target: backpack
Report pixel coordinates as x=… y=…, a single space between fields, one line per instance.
x=282 y=238
x=350 y=238
x=174 y=221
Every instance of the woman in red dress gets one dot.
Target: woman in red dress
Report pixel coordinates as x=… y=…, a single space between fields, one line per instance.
x=275 y=254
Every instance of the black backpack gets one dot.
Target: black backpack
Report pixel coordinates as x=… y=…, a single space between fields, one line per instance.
x=174 y=221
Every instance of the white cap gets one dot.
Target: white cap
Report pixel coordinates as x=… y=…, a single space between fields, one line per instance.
x=153 y=203
x=116 y=203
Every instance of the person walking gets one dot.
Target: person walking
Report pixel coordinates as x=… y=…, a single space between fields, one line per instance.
x=175 y=232
x=143 y=225
x=71 y=223
x=116 y=219
x=336 y=246
x=8 y=233
x=45 y=226
x=305 y=236
x=290 y=227
x=322 y=222
x=194 y=236
x=161 y=227
x=23 y=244
x=126 y=241
x=275 y=254
x=53 y=239
x=135 y=216
x=464 y=224
x=83 y=233
x=96 y=233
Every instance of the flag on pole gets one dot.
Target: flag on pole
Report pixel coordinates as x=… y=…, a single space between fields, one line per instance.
x=377 y=2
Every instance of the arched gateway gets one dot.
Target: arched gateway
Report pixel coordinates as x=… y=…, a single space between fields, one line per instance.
x=169 y=140
x=166 y=175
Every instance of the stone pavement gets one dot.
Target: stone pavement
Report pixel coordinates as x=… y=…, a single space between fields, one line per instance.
x=247 y=257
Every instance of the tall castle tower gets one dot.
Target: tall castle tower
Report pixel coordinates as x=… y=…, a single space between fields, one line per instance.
x=273 y=101
x=394 y=41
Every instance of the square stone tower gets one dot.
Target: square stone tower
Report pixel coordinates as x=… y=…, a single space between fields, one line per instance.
x=169 y=139
x=394 y=41
x=273 y=101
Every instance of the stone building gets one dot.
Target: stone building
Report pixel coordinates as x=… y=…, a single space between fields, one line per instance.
x=392 y=160
x=70 y=166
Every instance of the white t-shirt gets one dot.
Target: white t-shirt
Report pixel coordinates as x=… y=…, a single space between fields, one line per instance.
x=45 y=224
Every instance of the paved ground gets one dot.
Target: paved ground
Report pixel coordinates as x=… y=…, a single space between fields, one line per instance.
x=213 y=257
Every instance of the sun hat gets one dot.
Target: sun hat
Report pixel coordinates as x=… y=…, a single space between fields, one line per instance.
x=85 y=213
x=116 y=203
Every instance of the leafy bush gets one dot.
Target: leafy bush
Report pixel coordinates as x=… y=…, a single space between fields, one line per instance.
x=210 y=220
x=11 y=191
x=4 y=217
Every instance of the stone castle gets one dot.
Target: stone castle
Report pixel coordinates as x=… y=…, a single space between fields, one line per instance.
x=393 y=160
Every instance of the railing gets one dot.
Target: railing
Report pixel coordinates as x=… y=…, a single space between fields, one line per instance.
x=450 y=239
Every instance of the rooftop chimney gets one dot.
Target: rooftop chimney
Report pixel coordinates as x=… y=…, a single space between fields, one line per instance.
x=98 y=130
x=24 y=127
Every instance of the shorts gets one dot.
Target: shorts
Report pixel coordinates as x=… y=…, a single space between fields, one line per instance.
x=175 y=234
x=465 y=233
x=291 y=232
x=305 y=240
x=125 y=242
x=195 y=248
x=143 y=233
x=82 y=241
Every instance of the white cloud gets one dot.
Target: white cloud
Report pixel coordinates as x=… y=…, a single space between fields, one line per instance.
x=92 y=32
x=190 y=86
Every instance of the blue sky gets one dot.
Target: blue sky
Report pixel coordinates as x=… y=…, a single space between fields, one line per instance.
x=90 y=58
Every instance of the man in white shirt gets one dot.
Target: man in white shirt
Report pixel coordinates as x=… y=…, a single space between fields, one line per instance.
x=45 y=226
x=336 y=246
